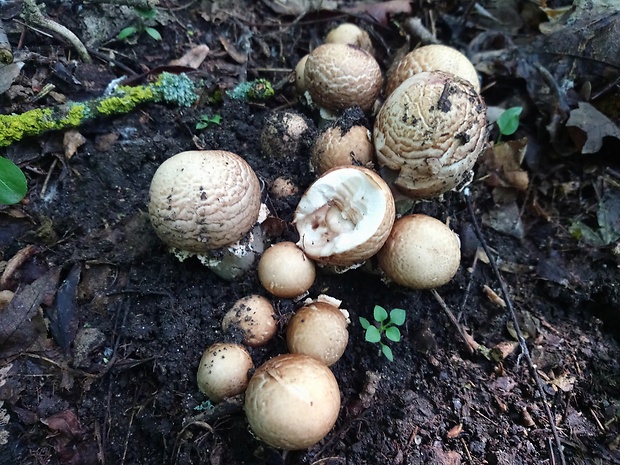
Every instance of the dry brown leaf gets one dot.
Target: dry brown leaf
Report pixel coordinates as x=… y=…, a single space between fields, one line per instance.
x=72 y=141
x=193 y=58
x=595 y=125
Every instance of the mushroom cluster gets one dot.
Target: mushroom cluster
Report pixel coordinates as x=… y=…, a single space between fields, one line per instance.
x=426 y=138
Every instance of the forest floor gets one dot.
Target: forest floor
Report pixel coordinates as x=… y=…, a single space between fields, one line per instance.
x=107 y=373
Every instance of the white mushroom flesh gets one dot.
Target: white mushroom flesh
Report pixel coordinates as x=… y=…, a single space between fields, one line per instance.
x=348 y=209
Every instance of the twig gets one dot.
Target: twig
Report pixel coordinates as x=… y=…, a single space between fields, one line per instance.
x=415 y=27
x=523 y=345
x=6 y=54
x=33 y=15
x=470 y=343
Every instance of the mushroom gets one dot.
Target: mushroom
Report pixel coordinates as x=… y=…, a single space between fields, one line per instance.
x=341 y=146
x=286 y=134
x=340 y=76
x=292 y=401
x=430 y=131
x=300 y=80
x=223 y=371
x=349 y=33
x=421 y=252
x=255 y=317
x=318 y=329
x=285 y=270
x=282 y=187
x=203 y=200
x=345 y=216
x=434 y=57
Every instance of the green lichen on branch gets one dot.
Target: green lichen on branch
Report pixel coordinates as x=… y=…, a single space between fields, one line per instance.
x=169 y=88
x=260 y=89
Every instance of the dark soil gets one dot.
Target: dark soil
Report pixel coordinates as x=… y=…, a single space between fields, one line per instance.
x=113 y=378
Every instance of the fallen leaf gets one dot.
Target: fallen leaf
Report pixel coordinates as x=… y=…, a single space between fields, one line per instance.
x=595 y=124
x=298 y=7
x=63 y=316
x=193 y=58
x=8 y=74
x=72 y=141
x=21 y=322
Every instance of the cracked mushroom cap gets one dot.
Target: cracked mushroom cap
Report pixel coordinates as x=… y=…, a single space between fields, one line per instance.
x=292 y=401
x=345 y=216
x=341 y=76
x=421 y=252
x=204 y=199
x=430 y=131
x=433 y=57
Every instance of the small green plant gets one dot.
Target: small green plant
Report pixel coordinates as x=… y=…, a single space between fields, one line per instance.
x=13 y=186
x=508 y=121
x=144 y=15
x=205 y=121
x=385 y=325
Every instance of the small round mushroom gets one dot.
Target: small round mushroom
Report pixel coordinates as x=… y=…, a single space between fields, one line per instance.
x=342 y=146
x=255 y=317
x=300 y=80
x=285 y=270
x=430 y=131
x=282 y=187
x=286 y=134
x=345 y=216
x=204 y=199
x=351 y=34
x=223 y=371
x=318 y=329
x=421 y=252
x=340 y=76
x=434 y=57
x=292 y=401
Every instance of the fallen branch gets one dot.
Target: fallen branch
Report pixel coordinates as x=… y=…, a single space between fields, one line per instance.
x=169 y=88
x=33 y=16
x=513 y=315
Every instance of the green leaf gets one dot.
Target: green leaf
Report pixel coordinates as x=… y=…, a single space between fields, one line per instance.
x=380 y=314
x=397 y=316
x=154 y=33
x=393 y=333
x=201 y=125
x=364 y=322
x=146 y=13
x=13 y=185
x=508 y=122
x=583 y=232
x=128 y=31
x=387 y=352
x=372 y=334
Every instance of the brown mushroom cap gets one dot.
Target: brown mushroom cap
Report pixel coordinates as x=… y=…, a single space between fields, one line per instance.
x=286 y=134
x=318 y=329
x=430 y=130
x=433 y=57
x=345 y=216
x=421 y=252
x=349 y=33
x=300 y=80
x=336 y=146
x=204 y=200
x=285 y=270
x=292 y=401
x=223 y=371
x=340 y=76
x=255 y=317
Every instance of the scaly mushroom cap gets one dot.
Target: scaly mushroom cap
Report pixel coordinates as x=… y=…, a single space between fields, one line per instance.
x=433 y=57
x=430 y=130
x=292 y=401
x=340 y=76
x=336 y=146
x=421 y=252
x=345 y=216
x=203 y=200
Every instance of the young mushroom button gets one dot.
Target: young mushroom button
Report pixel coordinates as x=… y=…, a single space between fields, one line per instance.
x=340 y=76
x=203 y=200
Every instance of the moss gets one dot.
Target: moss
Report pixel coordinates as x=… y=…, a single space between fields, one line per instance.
x=124 y=100
x=261 y=89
